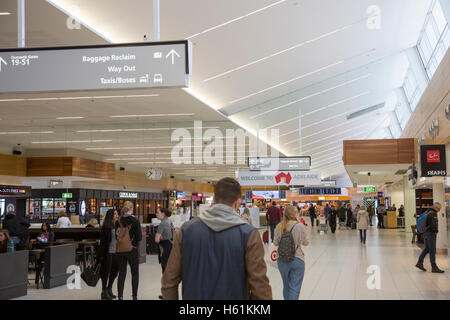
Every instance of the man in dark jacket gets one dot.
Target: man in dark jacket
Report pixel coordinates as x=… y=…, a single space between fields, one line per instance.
x=432 y=224
x=129 y=220
x=273 y=217
x=218 y=256
x=17 y=227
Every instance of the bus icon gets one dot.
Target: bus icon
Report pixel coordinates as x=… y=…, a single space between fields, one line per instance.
x=157 y=78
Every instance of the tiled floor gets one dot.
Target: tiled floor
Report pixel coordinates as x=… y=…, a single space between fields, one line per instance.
x=336 y=268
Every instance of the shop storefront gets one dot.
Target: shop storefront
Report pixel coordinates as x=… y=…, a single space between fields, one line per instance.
x=13 y=198
x=46 y=204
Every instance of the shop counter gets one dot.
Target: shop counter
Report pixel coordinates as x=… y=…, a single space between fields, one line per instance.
x=75 y=233
x=13 y=274
x=391 y=219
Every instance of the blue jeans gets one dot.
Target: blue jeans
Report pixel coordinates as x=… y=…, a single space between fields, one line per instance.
x=292 y=274
x=273 y=225
x=362 y=235
x=430 y=247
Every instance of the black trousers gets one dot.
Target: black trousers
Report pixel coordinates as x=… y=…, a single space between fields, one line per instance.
x=109 y=270
x=131 y=258
x=380 y=221
x=165 y=249
x=333 y=227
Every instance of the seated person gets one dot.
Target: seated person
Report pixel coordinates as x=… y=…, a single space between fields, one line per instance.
x=47 y=231
x=63 y=221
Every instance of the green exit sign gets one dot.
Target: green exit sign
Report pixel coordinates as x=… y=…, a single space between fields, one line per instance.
x=67 y=195
x=370 y=189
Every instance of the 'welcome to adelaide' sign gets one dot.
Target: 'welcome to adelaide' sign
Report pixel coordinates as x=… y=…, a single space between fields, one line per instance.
x=273 y=178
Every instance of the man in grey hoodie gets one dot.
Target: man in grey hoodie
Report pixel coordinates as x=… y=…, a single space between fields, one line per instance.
x=218 y=256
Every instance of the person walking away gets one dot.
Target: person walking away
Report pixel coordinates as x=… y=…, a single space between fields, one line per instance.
x=291 y=259
x=342 y=212
x=332 y=218
x=371 y=212
x=312 y=215
x=127 y=249
x=164 y=237
x=246 y=216
x=363 y=223
x=273 y=217
x=401 y=211
x=350 y=216
x=327 y=211
x=380 y=215
x=4 y=238
x=106 y=254
x=63 y=220
x=17 y=227
x=432 y=228
x=218 y=256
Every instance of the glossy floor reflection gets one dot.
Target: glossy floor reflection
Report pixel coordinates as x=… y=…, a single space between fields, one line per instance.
x=336 y=268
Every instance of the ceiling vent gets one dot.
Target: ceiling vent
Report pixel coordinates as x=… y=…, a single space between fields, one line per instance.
x=400 y=172
x=365 y=111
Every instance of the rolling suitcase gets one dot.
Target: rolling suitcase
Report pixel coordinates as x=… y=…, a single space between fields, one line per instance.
x=266 y=236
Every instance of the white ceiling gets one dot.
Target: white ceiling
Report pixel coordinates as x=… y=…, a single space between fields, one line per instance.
x=249 y=57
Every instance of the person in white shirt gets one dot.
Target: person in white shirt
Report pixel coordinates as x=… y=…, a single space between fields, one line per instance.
x=63 y=221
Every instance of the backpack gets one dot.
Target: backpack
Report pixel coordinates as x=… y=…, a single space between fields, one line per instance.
x=286 y=248
x=422 y=222
x=123 y=242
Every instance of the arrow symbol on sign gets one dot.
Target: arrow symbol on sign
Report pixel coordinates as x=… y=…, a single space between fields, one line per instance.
x=1 y=62
x=173 y=53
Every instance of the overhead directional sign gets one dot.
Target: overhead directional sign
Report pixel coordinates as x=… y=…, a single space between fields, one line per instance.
x=275 y=164
x=122 y=66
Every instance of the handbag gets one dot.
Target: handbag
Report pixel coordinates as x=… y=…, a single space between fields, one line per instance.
x=91 y=275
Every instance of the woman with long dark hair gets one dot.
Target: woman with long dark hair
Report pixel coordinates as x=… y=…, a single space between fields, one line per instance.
x=106 y=254
x=47 y=231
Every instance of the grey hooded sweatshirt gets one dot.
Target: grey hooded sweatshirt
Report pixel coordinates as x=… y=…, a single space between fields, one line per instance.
x=221 y=217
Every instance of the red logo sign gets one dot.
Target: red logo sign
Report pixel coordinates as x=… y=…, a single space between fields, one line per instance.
x=274 y=255
x=283 y=177
x=433 y=156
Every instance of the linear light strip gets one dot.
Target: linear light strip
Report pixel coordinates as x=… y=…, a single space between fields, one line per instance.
x=235 y=19
x=69 y=118
x=288 y=81
x=27 y=132
x=72 y=141
x=153 y=115
x=323 y=120
x=319 y=109
x=5 y=13
x=330 y=128
x=312 y=95
x=138 y=129
x=76 y=98
x=334 y=135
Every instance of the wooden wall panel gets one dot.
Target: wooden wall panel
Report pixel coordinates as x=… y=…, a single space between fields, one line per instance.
x=382 y=151
x=93 y=169
x=49 y=166
x=13 y=165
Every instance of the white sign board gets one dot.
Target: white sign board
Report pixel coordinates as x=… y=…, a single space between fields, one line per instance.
x=281 y=178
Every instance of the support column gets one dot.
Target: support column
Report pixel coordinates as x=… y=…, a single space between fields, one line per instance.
x=156 y=21
x=410 y=205
x=21 y=23
x=439 y=196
